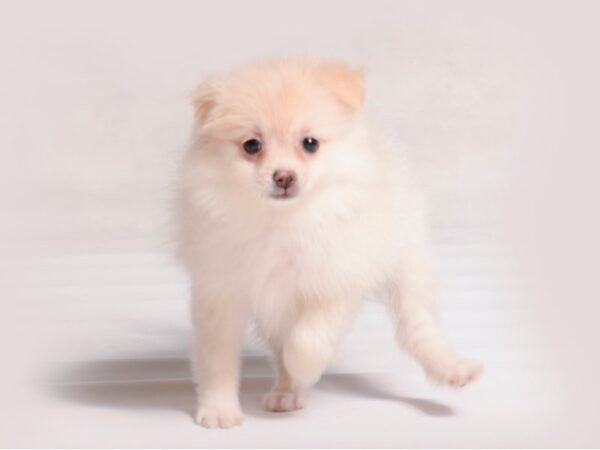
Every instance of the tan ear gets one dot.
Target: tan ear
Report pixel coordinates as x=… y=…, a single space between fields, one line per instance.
x=203 y=100
x=345 y=83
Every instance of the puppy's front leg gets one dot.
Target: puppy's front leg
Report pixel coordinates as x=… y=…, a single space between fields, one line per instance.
x=286 y=394
x=412 y=307
x=304 y=353
x=219 y=325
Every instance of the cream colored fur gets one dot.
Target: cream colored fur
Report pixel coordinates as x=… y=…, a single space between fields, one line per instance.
x=299 y=267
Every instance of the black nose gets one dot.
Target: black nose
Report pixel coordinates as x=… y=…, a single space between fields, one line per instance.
x=284 y=178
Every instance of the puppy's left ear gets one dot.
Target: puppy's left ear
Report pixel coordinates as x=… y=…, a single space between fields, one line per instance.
x=203 y=100
x=345 y=83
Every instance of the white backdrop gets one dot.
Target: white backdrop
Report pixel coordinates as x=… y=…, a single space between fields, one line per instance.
x=93 y=117
x=97 y=105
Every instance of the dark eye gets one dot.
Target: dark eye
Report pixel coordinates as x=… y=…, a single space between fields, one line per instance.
x=310 y=144
x=252 y=146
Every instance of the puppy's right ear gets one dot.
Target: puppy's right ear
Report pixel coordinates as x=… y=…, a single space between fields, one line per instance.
x=203 y=100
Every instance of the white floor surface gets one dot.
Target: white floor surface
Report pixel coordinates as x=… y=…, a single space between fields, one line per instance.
x=112 y=370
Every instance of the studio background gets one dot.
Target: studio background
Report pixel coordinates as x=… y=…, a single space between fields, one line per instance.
x=490 y=102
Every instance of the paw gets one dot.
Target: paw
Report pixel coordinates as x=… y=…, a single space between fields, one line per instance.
x=218 y=417
x=284 y=401
x=456 y=372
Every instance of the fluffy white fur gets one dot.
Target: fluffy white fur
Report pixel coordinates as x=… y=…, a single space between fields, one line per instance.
x=298 y=266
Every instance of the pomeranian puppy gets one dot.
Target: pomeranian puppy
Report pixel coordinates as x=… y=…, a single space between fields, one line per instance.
x=291 y=211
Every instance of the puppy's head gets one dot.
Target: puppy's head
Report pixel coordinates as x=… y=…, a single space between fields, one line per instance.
x=272 y=129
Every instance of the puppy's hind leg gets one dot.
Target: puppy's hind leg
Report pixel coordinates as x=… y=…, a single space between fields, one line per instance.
x=411 y=303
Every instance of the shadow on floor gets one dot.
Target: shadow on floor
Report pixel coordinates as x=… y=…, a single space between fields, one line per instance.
x=362 y=385
x=165 y=383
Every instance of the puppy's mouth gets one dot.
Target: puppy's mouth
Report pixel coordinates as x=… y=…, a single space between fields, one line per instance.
x=283 y=194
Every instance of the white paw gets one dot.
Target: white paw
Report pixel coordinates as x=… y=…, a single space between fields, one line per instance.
x=456 y=372
x=277 y=401
x=218 y=417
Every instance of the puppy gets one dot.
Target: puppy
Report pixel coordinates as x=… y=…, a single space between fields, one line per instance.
x=291 y=210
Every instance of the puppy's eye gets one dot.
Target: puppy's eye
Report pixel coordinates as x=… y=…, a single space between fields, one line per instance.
x=310 y=144
x=252 y=146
